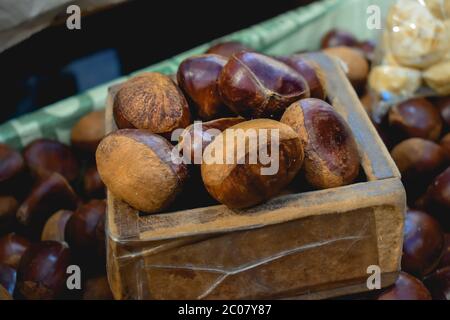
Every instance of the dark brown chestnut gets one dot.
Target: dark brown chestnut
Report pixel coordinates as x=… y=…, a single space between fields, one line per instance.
x=439 y=284
x=8 y=208
x=197 y=77
x=97 y=289
x=228 y=48
x=310 y=71
x=51 y=193
x=8 y=278
x=12 y=247
x=423 y=243
x=437 y=199
x=415 y=118
x=445 y=260
x=12 y=166
x=83 y=235
x=445 y=144
x=406 y=287
x=337 y=38
x=55 y=226
x=93 y=186
x=42 y=272
x=443 y=104
x=44 y=156
x=257 y=86
x=88 y=132
x=419 y=161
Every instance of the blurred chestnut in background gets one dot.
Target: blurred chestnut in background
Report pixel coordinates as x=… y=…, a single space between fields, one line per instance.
x=42 y=271
x=257 y=86
x=337 y=38
x=198 y=78
x=310 y=71
x=227 y=49
x=439 y=284
x=93 y=185
x=44 y=156
x=443 y=104
x=12 y=166
x=437 y=199
x=423 y=243
x=12 y=247
x=55 y=226
x=8 y=278
x=51 y=193
x=368 y=49
x=8 y=208
x=415 y=118
x=419 y=161
x=88 y=132
x=406 y=287
x=85 y=238
x=97 y=289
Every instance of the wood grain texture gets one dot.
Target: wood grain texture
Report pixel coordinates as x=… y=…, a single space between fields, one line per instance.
x=310 y=245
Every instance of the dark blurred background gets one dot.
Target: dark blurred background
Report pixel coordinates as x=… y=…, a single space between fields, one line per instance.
x=56 y=62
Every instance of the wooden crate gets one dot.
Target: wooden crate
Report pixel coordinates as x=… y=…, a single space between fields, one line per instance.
x=310 y=245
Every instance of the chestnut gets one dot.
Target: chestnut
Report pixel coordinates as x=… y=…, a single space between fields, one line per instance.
x=138 y=168
x=4 y=294
x=8 y=208
x=197 y=77
x=445 y=144
x=257 y=86
x=439 y=284
x=44 y=156
x=423 y=243
x=12 y=247
x=12 y=166
x=88 y=132
x=97 y=289
x=8 y=278
x=196 y=137
x=310 y=71
x=243 y=182
x=443 y=104
x=85 y=238
x=438 y=198
x=42 y=272
x=418 y=161
x=406 y=287
x=445 y=260
x=338 y=38
x=55 y=226
x=153 y=102
x=93 y=185
x=228 y=48
x=331 y=153
x=355 y=65
x=51 y=193
x=415 y=118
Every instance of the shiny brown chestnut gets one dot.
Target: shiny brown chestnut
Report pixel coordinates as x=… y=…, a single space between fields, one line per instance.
x=228 y=48
x=42 y=271
x=8 y=208
x=331 y=153
x=437 y=199
x=196 y=137
x=93 y=186
x=419 y=161
x=12 y=247
x=445 y=144
x=337 y=38
x=257 y=86
x=44 y=156
x=97 y=289
x=415 y=118
x=12 y=166
x=55 y=226
x=153 y=102
x=84 y=237
x=443 y=104
x=87 y=133
x=51 y=193
x=423 y=243
x=310 y=71
x=406 y=287
x=198 y=78
x=8 y=278
x=439 y=284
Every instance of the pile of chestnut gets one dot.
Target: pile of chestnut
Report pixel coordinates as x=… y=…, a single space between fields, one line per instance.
x=52 y=217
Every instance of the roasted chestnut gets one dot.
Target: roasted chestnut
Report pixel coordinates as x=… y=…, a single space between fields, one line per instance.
x=228 y=48
x=42 y=271
x=257 y=86
x=88 y=132
x=406 y=287
x=44 y=156
x=415 y=118
x=338 y=38
x=197 y=77
x=423 y=243
x=55 y=226
x=153 y=102
x=138 y=168
x=234 y=176
x=331 y=153
x=12 y=247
